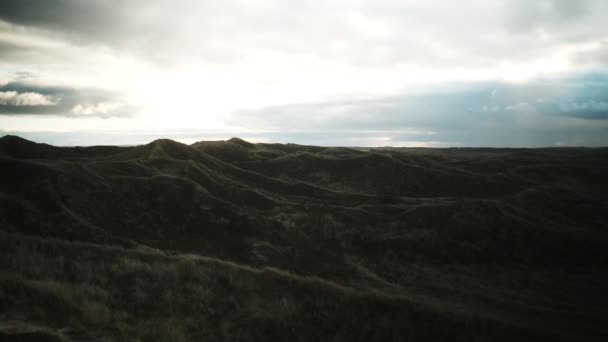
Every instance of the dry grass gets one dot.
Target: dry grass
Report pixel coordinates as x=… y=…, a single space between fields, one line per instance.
x=149 y=296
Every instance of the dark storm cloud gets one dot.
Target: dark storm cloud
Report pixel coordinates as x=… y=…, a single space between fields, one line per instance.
x=60 y=101
x=539 y=113
x=158 y=32
x=72 y=17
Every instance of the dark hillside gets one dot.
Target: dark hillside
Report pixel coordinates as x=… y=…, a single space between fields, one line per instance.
x=17 y=147
x=232 y=240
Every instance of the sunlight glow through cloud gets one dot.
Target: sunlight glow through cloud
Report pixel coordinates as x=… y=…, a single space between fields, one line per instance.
x=197 y=65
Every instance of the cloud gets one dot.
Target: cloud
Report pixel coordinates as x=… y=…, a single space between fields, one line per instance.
x=13 y=98
x=595 y=57
x=529 y=15
x=520 y=107
x=571 y=110
x=17 y=98
x=591 y=109
x=362 y=32
x=102 y=109
x=69 y=17
x=320 y=71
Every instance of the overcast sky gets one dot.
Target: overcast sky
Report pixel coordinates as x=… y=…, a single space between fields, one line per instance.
x=350 y=73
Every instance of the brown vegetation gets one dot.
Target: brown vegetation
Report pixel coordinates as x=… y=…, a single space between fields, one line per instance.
x=286 y=242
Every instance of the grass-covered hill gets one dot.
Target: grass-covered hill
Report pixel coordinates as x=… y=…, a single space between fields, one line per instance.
x=229 y=240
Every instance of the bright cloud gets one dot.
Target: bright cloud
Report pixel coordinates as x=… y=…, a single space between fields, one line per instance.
x=13 y=98
x=98 y=109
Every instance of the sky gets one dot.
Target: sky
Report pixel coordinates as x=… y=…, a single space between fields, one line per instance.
x=430 y=73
